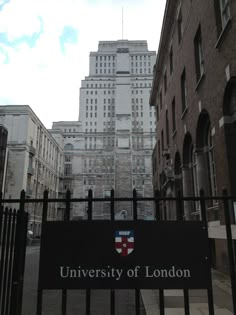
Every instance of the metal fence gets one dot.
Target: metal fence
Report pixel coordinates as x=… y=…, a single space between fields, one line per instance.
x=13 y=243
x=13 y=234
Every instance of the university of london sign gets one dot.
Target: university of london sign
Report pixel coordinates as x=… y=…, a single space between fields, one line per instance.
x=124 y=254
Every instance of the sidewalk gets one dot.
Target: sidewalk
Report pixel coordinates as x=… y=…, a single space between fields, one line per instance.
x=198 y=299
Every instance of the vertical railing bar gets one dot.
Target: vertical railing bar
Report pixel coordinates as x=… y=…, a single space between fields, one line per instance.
x=22 y=253
x=112 y=292
x=44 y=219
x=1 y=217
x=186 y=302
x=135 y=218
x=179 y=217
x=230 y=249
x=204 y=219
x=66 y=218
x=3 y=258
x=6 y=265
x=18 y=265
x=158 y=218
x=90 y=216
x=13 y=232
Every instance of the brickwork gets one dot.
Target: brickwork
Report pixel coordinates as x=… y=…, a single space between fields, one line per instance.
x=203 y=48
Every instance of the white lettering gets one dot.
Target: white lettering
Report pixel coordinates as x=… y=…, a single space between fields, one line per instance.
x=167 y=273
x=67 y=272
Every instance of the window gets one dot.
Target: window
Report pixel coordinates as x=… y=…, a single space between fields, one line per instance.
x=180 y=26
x=68 y=147
x=222 y=10
x=159 y=152
x=160 y=99
x=171 y=60
x=173 y=116
x=167 y=129
x=183 y=91
x=165 y=82
x=68 y=169
x=162 y=140
x=199 y=63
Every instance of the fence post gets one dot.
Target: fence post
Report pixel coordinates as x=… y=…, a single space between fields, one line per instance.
x=204 y=219
x=135 y=218
x=5 y=283
x=158 y=218
x=1 y=213
x=112 y=292
x=10 y=271
x=230 y=248
x=179 y=217
x=19 y=259
x=66 y=218
x=2 y=257
x=44 y=219
x=90 y=216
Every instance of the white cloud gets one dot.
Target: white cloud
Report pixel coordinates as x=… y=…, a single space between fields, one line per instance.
x=42 y=76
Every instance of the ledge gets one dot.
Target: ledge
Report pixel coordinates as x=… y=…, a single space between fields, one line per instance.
x=184 y=112
x=223 y=33
x=200 y=81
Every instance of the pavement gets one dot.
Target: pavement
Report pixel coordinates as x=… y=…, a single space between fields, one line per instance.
x=198 y=299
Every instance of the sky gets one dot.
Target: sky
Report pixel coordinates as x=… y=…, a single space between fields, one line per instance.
x=45 y=46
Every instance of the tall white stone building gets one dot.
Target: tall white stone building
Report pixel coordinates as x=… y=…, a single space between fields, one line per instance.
x=111 y=144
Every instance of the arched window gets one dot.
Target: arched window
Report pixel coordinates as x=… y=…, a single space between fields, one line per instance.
x=206 y=172
x=68 y=147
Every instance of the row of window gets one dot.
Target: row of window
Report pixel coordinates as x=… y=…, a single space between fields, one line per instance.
x=109 y=85
x=141 y=71
x=70 y=130
x=101 y=58
x=104 y=92
x=100 y=85
x=105 y=64
x=105 y=101
x=140 y=64
x=141 y=57
x=222 y=9
x=105 y=71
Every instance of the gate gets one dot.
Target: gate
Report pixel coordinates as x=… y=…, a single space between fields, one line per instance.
x=46 y=226
x=13 y=237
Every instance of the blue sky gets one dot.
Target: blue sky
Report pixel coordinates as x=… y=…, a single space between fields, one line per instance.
x=45 y=46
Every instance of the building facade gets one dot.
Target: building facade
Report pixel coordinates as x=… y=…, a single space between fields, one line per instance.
x=193 y=91
x=34 y=161
x=111 y=144
x=3 y=151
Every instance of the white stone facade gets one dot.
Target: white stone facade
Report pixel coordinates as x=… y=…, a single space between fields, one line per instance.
x=111 y=144
x=34 y=161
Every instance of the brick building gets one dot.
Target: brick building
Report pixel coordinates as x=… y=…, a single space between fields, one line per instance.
x=3 y=149
x=194 y=92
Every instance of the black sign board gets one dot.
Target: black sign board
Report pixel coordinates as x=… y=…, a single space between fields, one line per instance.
x=124 y=255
